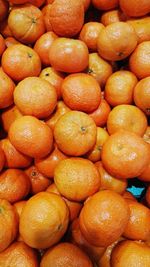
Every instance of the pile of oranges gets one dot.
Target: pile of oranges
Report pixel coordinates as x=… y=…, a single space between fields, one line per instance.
x=74 y=110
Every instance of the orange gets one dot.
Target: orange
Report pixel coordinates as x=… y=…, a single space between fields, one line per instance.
x=43 y=44
x=145 y=175
x=72 y=174
x=99 y=68
x=14 y=185
x=130 y=253
x=31 y=136
x=68 y=55
x=11 y=41
x=20 y=61
x=48 y=164
x=47 y=229
x=89 y=34
x=139 y=60
x=105 y=4
x=19 y=207
x=2 y=159
x=38 y=181
x=35 y=96
x=54 y=77
x=74 y=207
x=135 y=8
x=100 y=115
x=119 y=88
x=37 y=3
x=125 y=154
x=81 y=92
x=2 y=45
x=46 y=15
x=128 y=195
x=7 y=88
x=117 y=41
x=75 y=133
x=142 y=28
x=14 y=159
x=142 y=95
x=8 y=224
x=112 y=16
x=95 y=154
x=146 y=135
x=86 y=4
x=60 y=110
x=109 y=182
x=138 y=227
x=76 y=237
x=9 y=115
x=26 y=23
x=104 y=218
x=4 y=7
x=127 y=117
x=19 y=253
x=66 y=17
x=65 y=254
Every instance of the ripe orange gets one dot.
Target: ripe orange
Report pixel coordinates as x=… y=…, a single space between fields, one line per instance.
x=117 y=41
x=99 y=68
x=105 y=4
x=142 y=28
x=138 y=227
x=2 y=45
x=125 y=154
x=8 y=224
x=31 y=136
x=35 y=96
x=127 y=117
x=7 y=88
x=26 y=23
x=105 y=215
x=66 y=17
x=47 y=229
x=89 y=34
x=43 y=44
x=4 y=7
x=19 y=207
x=65 y=254
x=46 y=15
x=142 y=95
x=119 y=88
x=145 y=175
x=75 y=133
x=130 y=253
x=14 y=186
x=112 y=16
x=135 y=8
x=13 y=158
x=72 y=174
x=20 y=61
x=81 y=92
x=109 y=182
x=139 y=60
x=68 y=55
x=146 y=135
x=100 y=115
x=9 y=115
x=11 y=41
x=39 y=182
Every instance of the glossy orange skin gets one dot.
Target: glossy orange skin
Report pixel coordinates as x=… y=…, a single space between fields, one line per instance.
x=135 y=8
x=142 y=95
x=100 y=115
x=73 y=53
x=14 y=186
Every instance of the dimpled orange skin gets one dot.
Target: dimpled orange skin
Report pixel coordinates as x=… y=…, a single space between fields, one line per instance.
x=105 y=215
x=73 y=53
x=44 y=220
x=23 y=135
x=100 y=115
x=125 y=154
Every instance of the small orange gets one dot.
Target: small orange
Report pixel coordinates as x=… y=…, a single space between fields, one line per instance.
x=138 y=227
x=7 y=88
x=38 y=181
x=135 y=8
x=20 y=61
x=142 y=28
x=75 y=133
x=109 y=182
x=4 y=7
x=31 y=136
x=68 y=55
x=117 y=41
x=72 y=174
x=11 y=41
x=89 y=34
x=43 y=44
x=119 y=88
x=47 y=229
x=105 y=4
x=142 y=95
x=99 y=68
x=9 y=115
x=14 y=159
x=2 y=45
x=36 y=97
x=105 y=215
x=112 y=16
x=127 y=117
x=125 y=154
x=81 y=92
x=100 y=115
x=19 y=206
x=8 y=225
x=65 y=254
x=139 y=60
